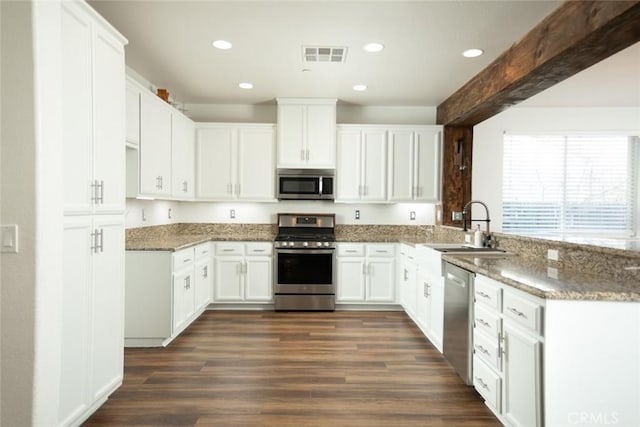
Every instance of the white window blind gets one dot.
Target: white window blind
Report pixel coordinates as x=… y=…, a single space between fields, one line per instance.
x=570 y=184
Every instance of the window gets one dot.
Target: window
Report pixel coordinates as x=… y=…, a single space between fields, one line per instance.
x=570 y=184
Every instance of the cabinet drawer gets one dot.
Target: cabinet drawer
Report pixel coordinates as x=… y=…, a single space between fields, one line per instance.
x=488 y=292
x=381 y=250
x=487 y=348
x=487 y=383
x=487 y=320
x=227 y=248
x=526 y=313
x=350 y=250
x=183 y=258
x=259 y=249
x=203 y=250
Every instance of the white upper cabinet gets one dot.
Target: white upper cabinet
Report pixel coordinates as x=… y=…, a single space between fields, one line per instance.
x=155 y=146
x=414 y=158
x=133 y=114
x=235 y=162
x=362 y=161
x=306 y=133
x=183 y=141
x=93 y=126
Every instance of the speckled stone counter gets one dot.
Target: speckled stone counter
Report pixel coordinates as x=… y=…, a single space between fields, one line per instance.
x=382 y=233
x=553 y=281
x=180 y=236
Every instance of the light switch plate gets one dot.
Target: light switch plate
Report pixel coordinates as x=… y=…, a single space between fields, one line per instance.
x=412 y=215
x=9 y=238
x=232 y=213
x=357 y=214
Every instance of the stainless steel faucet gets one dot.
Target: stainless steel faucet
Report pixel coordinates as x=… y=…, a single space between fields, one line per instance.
x=464 y=215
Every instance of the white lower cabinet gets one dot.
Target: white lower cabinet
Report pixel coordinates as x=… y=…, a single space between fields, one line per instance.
x=430 y=294
x=165 y=292
x=244 y=272
x=91 y=362
x=507 y=346
x=366 y=273
x=407 y=279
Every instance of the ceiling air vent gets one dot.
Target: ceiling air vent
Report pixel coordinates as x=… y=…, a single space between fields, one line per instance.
x=324 y=54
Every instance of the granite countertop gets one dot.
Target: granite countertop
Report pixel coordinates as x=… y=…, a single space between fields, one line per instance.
x=177 y=242
x=546 y=281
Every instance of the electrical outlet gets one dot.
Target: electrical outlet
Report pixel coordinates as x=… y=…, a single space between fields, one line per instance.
x=357 y=214
x=232 y=213
x=412 y=215
x=552 y=254
x=456 y=216
x=144 y=217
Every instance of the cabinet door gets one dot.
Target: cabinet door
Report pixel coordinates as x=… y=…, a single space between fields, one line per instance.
x=204 y=282
x=132 y=114
x=423 y=300
x=348 y=174
x=76 y=110
x=375 y=165
x=436 y=312
x=107 y=325
x=183 y=297
x=109 y=150
x=522 y=373
x=351 y=280
x=380 y=280
x=182 y=157
x=409 y=289
x=155 y=146
x=291 y=149
x=228 y=282
x=256 y=164
x=216 y=163
x=400 y=161
x=258 y=279
x=75 y=310
x=321 y=136
x=427 y=170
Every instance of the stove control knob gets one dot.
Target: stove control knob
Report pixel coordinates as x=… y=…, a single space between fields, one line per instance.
x=318 y=243
x=326 y=244
x=305 y=244
x=291 y=244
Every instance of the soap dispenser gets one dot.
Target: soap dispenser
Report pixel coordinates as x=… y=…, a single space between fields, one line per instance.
x=478 y=237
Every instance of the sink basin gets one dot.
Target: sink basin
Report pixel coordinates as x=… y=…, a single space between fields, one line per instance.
x=461 y=249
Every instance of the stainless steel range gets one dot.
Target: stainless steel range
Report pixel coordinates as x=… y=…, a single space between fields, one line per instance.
x=304 y=277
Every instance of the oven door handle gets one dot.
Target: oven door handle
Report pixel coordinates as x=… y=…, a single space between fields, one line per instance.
x=305 y=251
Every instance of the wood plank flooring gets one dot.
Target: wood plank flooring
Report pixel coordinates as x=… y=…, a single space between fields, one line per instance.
x=232 y=368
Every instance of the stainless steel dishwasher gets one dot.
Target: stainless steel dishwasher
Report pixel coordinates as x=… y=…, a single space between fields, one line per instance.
x=458 y=306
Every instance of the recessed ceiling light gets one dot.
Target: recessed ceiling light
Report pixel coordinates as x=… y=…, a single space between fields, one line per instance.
x=373 y=47
x=222 y=44
x=472 y=53
x=245 y=85
x=360 y=88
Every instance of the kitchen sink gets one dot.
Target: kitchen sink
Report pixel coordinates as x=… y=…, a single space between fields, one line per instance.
x=461 y=249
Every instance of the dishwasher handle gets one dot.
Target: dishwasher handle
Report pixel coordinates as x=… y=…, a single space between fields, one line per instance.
x=456 y=281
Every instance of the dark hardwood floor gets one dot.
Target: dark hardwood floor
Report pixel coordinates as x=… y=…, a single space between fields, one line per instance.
x=259 y=368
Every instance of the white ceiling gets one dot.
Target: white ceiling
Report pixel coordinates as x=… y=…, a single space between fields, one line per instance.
x=170 y=45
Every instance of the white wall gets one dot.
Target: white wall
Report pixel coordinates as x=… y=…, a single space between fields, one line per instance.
x=31 y=280
x=488 y=141
x=265 y=213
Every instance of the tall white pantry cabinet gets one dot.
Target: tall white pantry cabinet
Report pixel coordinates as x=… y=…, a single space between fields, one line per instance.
x=93 y=87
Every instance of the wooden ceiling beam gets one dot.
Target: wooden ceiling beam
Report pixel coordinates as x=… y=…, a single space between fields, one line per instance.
x=575 y=36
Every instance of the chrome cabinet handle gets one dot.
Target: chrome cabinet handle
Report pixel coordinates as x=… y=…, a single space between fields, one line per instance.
x=406 y=274
x=205 y=271
x=187 y=282
x=185 y=186
x=482 y=383
x=482 y=350
x=483 y=322
x=517 y=312
x=187 y=260
x=101 y=198
x=483 y=295
x=426 y=290
x=308 y=156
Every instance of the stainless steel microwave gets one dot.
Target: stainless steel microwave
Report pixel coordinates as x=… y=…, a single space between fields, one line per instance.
x=306 y=184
